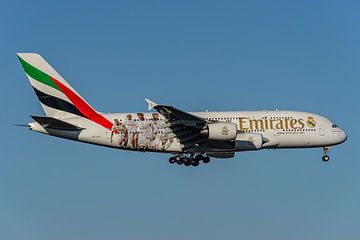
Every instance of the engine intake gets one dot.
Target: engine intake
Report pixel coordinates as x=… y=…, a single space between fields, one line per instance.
x=220 y=131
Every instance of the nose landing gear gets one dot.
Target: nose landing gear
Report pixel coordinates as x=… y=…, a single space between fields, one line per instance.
x=189 y=159
x=325 y=156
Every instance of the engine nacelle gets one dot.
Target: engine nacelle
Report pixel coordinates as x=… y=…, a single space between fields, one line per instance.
x=248 y=141
x=221 y=131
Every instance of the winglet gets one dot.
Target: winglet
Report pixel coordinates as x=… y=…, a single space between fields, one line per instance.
x=150 y=103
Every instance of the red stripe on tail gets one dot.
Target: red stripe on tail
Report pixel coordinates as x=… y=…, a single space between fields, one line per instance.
x=83 y=107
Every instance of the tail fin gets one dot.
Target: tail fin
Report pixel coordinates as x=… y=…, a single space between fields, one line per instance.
x=57 y=98
x=47 y=84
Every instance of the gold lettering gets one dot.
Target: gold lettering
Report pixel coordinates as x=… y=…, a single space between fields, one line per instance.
x=258 y=124
x=271 y=123
x=242 y=122
x=293 y=123
x=279 y=125
x=286 y=123
x=266 y=123
x=301 y=122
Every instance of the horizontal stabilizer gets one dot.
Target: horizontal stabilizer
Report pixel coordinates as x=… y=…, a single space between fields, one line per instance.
x=56 y=124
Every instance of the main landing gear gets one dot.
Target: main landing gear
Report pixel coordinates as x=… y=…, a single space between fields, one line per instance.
x=325 y=156
x=189 y=159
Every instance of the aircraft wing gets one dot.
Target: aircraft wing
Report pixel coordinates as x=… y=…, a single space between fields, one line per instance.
x=184 y=126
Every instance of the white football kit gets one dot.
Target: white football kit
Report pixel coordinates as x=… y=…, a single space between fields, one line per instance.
x=158 y=128
x=131 y=128
x=143 y=133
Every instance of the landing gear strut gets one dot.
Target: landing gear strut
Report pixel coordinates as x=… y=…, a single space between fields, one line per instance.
x=325 y=156
x=189 y=159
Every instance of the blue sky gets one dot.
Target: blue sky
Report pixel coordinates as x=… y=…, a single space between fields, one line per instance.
x=219 y=55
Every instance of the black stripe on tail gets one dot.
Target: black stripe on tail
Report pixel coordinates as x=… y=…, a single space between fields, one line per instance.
x=57 y=103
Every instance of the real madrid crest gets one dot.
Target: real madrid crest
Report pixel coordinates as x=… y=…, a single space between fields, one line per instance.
x=311 y=122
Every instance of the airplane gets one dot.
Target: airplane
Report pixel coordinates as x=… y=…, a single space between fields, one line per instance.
x=191 y=137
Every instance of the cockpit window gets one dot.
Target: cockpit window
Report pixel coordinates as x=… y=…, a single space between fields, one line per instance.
x=334 y=126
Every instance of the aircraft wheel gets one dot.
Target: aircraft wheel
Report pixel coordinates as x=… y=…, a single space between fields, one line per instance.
x=177 y=158
x=325 y=158
x=195 y=163
x=187 y=163
x=198 y=157
x=172 y=160
x=186 y=160
x=206 y=160
x=179 y=162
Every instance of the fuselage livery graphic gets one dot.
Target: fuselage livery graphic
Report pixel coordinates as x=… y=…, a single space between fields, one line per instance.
x=191 y=137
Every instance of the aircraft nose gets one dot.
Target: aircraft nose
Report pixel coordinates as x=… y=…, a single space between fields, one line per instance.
x=342 y=136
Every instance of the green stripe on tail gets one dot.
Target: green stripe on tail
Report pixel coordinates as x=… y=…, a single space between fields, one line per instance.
x=38 y=75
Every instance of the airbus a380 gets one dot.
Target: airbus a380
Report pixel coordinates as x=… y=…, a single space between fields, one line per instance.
x=191 y=137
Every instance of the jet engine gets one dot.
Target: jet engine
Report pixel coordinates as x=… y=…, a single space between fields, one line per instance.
x=220 y=131
x=248 y=141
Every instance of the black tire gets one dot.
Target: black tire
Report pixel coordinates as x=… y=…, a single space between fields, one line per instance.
x=325 y=158
x=186 y=160
x=195 y=163
x=172 y=160
x=206 y=159
x=198 y=157
x=179 y=162
x=187 y=163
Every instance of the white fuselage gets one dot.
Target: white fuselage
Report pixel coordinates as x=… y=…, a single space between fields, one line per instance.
x=192 y=137
x=278 y=129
